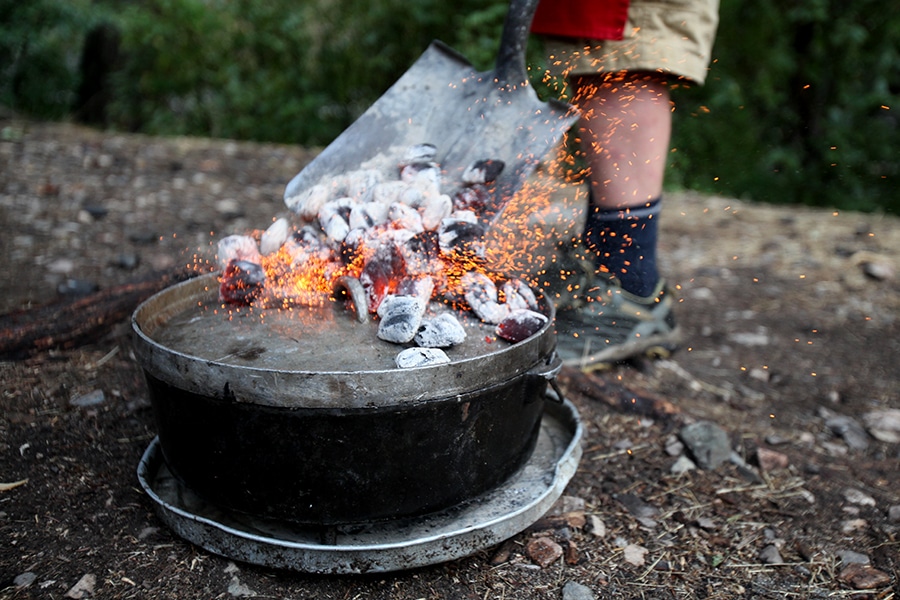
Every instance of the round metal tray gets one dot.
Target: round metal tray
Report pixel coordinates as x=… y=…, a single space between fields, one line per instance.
x=379 y=547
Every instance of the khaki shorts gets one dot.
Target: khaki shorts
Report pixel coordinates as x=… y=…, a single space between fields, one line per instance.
x=673 y=37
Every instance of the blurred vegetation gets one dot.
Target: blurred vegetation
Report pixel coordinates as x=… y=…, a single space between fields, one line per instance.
x=800 y=106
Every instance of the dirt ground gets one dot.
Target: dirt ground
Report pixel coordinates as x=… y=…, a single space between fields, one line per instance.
x=792 y=337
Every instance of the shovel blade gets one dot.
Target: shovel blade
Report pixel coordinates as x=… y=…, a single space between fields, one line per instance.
x=465 y=114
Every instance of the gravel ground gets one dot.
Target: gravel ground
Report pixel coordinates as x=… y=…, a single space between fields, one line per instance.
x=792 y=326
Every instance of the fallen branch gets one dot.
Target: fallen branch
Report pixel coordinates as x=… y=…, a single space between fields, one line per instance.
x=69 y=324
x=621 y=398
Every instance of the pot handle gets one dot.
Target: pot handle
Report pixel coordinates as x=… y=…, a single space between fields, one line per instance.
x=549 y=370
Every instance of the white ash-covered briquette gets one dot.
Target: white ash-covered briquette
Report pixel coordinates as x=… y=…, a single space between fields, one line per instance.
x=242 y=282
x=419 y=153
x=334 y=216
x=388 y=192
x=360 y=184
x=400 y=317
x=418 y=286
x=367 y=214
x=520 y=325
x=309 y=202
x=517 y=295
x=481 y=295
x=237 y=247
x=427 y=172
x=458 y=233
x=475 y=198
x=442 y=331
x=406 y=217
x=421 y=357
x=434 y=210
x=483 y=171
x=274 y=237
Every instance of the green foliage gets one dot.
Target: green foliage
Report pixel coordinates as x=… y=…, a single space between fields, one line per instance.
x=800 y=106
x=40 y=42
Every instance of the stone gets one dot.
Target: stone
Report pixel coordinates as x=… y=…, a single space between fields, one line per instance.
x=682 y=465
x=769 y=460
x=84 y=588
x=849 y=430
x=855 y=496
x=770 y=555
x=634 y=554
x=883 y=425
x=92 y=398
x=543 y=551
x=23 y=580
x=577 y=591
x=850 y=557
x=596 y=526
x=894 y=513
x=707 y=442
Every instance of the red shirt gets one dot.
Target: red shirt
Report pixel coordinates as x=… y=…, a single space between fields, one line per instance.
x=591 y=19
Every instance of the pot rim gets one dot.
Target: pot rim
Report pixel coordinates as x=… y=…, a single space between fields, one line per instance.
x=323 y=389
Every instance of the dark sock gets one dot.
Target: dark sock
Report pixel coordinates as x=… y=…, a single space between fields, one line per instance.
x=624 y=244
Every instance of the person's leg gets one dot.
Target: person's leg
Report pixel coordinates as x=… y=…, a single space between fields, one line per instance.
x=625 y=130
x=625 y=133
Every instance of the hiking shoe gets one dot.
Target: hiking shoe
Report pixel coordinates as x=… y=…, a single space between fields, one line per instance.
x=606 y=324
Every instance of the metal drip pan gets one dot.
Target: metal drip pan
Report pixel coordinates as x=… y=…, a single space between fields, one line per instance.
x=385 y=546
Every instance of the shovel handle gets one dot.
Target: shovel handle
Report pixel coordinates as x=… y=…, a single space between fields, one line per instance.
x=510 y=68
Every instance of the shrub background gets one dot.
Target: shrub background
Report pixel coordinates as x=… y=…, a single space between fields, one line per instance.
x=801 y=105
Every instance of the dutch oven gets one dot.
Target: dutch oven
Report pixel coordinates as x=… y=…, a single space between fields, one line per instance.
x=301 y=415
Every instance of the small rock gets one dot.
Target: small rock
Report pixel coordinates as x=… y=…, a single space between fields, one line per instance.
x=894 y=513
x=634 y=554
x=770 y=555
x=884 y=425
x=77 y=288
x=84 y=588
x=577 y=591
x=864 y=577
x=674 y=447
x=25 y=579
x=229 y=209
x=682 y=465
x=770 y=460
x=127 y=261
x=597 y=528
x=855 y=496
x=636 y=506
x=849 y=557
x=707 y=442
x=849 y=430
x=238 y=589
x=543 y=551
x=851 y=525
x=706 y=523
x=92 y=398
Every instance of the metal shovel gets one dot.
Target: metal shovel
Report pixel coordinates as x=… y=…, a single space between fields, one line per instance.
x=468 y=115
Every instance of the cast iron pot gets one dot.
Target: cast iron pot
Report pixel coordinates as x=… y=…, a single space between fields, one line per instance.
x=270 y=438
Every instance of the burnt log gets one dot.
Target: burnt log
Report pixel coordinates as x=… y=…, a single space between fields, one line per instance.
x=71 y=323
